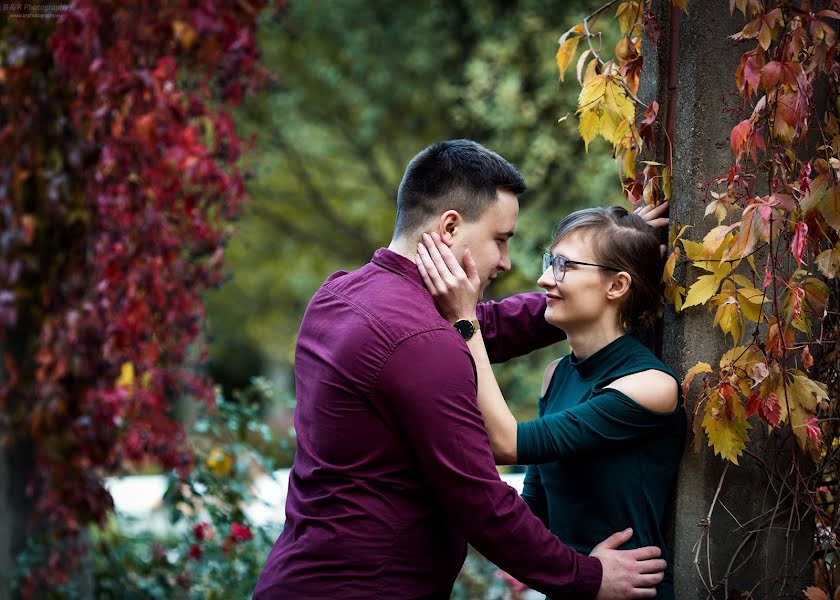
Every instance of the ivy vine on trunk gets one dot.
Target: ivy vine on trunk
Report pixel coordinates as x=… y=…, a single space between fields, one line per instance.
x=768 y=268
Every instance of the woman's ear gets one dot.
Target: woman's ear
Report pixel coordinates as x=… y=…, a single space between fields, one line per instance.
x=619 y=285
x=448 y=225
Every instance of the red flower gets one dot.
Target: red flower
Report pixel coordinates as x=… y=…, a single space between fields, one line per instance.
x=240 y=533
x=195 y=552
x=201 y=531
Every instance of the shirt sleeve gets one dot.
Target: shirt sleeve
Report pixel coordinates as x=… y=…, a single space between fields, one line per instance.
x=516 y=326
x=609 y=419
x=430 y=383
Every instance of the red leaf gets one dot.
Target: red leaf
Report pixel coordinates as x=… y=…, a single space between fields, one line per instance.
x=797 y=245
x=752 y=404
x=770 y=410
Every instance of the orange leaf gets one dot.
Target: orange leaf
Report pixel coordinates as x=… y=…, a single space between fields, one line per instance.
x=807 y=359
x=568 y=44
x=739 y=136
x=700 y=367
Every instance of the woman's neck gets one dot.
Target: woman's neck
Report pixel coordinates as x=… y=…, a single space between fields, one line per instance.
x=587 y=342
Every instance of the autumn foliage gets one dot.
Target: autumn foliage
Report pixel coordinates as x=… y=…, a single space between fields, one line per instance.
x=767 y=269
x=117 y=182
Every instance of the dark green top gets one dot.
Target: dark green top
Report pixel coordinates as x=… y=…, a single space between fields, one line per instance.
x=600 y=462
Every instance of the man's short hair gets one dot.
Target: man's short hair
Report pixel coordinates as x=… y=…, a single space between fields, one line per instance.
x=457 y=175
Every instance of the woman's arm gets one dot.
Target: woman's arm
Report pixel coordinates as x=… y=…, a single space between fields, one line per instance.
x=456 y=291
x=498 y=420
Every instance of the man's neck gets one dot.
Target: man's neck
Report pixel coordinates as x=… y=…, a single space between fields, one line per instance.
x=404 y=247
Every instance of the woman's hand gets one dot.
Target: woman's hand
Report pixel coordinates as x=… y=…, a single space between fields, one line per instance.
x=456 y=290
x=653 y=215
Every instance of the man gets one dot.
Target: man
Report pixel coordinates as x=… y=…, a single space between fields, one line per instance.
x=393 y=472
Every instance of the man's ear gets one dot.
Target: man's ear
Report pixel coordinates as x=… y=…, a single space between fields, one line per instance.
x=448 y=225
x=619 y=285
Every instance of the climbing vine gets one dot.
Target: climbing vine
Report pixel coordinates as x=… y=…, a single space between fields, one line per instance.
x=118 y=178
x=767 y=269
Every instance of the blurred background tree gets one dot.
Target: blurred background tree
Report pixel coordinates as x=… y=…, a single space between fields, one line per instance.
x=360 y=88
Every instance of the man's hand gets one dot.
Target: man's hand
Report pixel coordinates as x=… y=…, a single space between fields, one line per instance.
x=628 y=573
x=456 y=290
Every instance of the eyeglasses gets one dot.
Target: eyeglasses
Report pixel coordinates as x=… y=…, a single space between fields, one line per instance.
x=560 y=264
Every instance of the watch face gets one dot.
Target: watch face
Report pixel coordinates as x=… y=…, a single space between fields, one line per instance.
x=465 y=328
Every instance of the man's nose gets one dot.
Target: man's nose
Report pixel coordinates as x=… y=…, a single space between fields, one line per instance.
x=504 y=261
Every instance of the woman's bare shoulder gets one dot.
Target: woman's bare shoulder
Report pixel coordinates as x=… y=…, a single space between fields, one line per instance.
x=549 y=373
x=655 y=390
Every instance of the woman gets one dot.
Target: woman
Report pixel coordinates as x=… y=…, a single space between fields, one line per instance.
x=604 y=452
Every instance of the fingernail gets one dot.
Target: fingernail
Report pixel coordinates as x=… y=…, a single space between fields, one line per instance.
x=435 y=236
x=628 y=530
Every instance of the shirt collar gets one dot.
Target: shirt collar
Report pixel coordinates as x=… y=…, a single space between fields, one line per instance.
x=603 y=359
x=402 y=266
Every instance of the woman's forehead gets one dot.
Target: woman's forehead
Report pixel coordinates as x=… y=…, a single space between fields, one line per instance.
x=576 y=242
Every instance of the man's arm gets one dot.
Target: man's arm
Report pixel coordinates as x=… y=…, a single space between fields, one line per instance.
x=516 y=326
x=431 y=385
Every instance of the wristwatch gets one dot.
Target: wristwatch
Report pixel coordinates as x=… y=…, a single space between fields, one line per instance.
x=466 y=327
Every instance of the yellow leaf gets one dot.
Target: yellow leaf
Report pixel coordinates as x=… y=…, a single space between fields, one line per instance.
x=588 y=127
x=670 y=265
x=666 y=182
x=681 y=4
x=617 y=100
x=828 y=262
x=604 y=109
x=807 y=392
x=715 y=238
x=701 y=290
x=693 y=372
x=675 y=294
x=581 y=61
x=741 y=280
x=628 y=14
x=592 y=93
x=184 y=33
x=710 y=262
x=726 y=427
x=802 y=398
x=628 y=161
x=825 y=197
x=590 y=71
x=739 y=357
x=126 y=378
x=568 y=44
x=728 y=318
x=676 y=233
x=219 y=462
x=751 y=301
x=765 y=36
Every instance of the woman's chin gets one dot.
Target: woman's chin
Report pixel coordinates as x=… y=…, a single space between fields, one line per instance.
x=553 y=319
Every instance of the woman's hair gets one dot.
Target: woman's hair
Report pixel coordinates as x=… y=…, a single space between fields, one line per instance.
x=623 y=240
